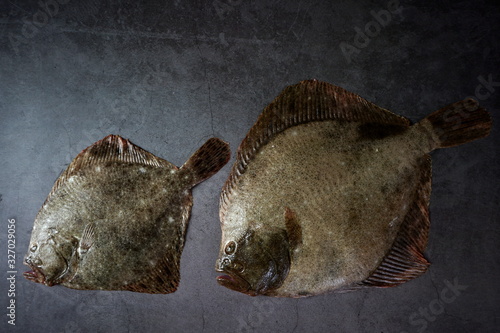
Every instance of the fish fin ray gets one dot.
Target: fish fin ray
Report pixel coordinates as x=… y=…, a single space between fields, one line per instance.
x=207 y=160
x=459 y=123
x=164 y=278
x=405 y=260
x=112 y=148
x=305 y=102
x=87 y=238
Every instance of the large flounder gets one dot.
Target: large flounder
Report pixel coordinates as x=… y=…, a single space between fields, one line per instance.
x=116 y=218
x=330 y=192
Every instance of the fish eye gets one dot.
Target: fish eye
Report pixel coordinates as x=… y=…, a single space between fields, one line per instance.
x=230 y=247
x=38 y=262
x=33 y=247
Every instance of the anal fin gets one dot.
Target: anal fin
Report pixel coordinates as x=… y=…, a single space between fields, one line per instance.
x=405 y=260
x=163 y=279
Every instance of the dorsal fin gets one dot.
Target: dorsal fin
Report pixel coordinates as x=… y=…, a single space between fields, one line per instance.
x=405 y=260
x=112 y=148
x=305 y=102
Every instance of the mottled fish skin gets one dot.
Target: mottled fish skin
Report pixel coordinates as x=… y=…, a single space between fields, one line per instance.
x=335 y=192
x=116 y=219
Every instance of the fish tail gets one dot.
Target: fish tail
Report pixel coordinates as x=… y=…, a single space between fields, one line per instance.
x=458 y=123
x=207 y=160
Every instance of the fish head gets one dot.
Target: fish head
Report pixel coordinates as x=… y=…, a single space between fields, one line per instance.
x=256 y=263
x=48 y=257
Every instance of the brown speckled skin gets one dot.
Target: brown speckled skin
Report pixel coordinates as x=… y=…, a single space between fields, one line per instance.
x=140 y=214
x=350 y=182
x=349 y=194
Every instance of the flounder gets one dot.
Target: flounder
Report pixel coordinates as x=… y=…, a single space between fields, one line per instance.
x=330 y=192
x=116 y=219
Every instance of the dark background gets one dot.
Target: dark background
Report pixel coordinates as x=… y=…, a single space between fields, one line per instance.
x=169 y=75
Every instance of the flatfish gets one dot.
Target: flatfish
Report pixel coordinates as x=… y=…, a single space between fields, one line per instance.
x=330 y=192
x=116 y=218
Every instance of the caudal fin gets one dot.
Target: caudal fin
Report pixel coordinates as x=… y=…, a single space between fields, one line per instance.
x=208 y=159
x=459 y=123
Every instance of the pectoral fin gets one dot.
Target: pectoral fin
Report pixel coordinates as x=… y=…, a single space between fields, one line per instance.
x=293 y=230
x=87 y=238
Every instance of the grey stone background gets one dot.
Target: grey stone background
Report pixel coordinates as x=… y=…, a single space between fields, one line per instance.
x=170 y=74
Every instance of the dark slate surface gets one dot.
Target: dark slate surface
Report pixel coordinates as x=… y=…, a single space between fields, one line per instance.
x=169 y=75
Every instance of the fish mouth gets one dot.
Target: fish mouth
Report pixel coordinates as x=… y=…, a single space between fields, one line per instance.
x=236 y=283
x=36 y=275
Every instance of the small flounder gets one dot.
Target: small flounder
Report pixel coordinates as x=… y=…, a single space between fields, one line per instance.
x=331 y=192
x=116 y=219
